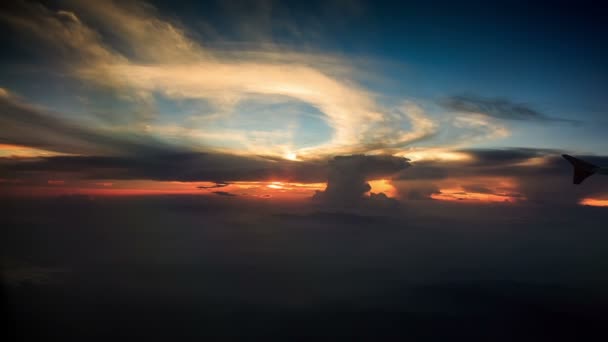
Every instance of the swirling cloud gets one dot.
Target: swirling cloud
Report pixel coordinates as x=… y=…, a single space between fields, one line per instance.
x=151 y=56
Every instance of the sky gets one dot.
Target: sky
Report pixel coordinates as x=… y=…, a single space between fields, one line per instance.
x=330 y=169
x=98 y=98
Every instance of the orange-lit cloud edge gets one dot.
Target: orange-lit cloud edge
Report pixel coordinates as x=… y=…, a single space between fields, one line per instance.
x=594 y=202
x=251 y=189
x=501 y=189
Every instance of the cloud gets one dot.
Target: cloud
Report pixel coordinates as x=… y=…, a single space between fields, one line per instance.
x=184 y=166
x=531 y=176
x=422 y=172
x=348 y=176
x=420 y=191
x=60 y=34
x=28 y=125
x=129 y=48
x=507 y=156
x=478 y=188
x=499 y=108
x=132 y=50
x=224 y=193
x=215 y=186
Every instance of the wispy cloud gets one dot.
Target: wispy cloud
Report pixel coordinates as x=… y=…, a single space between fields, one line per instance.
x=28 y=125
x=499 y=108
x=150 y=55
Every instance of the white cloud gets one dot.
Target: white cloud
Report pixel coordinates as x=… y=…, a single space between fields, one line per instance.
x=150 y=55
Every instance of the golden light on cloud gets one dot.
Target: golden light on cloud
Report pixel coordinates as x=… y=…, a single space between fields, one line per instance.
x=536 y=161
x=291 y=156
x=485 y=190
x=458 y=194
x=435 y=154
x=594 y=202
x=17 y=151
x=275 y=185
x=384 y=186
x=167 y=62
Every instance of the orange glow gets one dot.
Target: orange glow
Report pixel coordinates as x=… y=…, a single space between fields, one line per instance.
x=488 y=190
x=458 y=194
x=435 y=154
x=594 y=202
x=275 y=185
x=262 y=190
x=291 y=156
x=18 y=151
x=383 y=185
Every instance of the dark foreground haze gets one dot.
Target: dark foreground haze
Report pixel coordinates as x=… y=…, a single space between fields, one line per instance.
x=175 y=268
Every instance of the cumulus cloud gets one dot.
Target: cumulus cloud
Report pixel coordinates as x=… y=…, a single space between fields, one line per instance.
x=499 y=108
x=348 y=176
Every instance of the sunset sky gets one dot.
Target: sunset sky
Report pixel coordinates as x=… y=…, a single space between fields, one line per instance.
x=267 y=170
x=111 y=98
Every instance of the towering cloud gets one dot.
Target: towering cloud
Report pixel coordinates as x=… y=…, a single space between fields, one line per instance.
x=348 y=176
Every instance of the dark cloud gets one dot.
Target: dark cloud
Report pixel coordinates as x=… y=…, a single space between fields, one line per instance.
x=422 y=171
x=478 y=188
x=190 y=166
x=499 y=108
x=224 y=193
x=419 y=192
x=439 y=270
x=185 y=166
x=215 y=186
x=111 y=155
x=507 y=156
x=541 y=176
x=348 y=176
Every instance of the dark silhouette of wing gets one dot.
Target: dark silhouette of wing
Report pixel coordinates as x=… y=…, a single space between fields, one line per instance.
x=582 y=169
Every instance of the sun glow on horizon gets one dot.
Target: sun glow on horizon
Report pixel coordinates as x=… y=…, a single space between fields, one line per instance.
x=291 y=156
x=239 y=189
x=458 y=194
x=275 y=185
x=594 y=202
